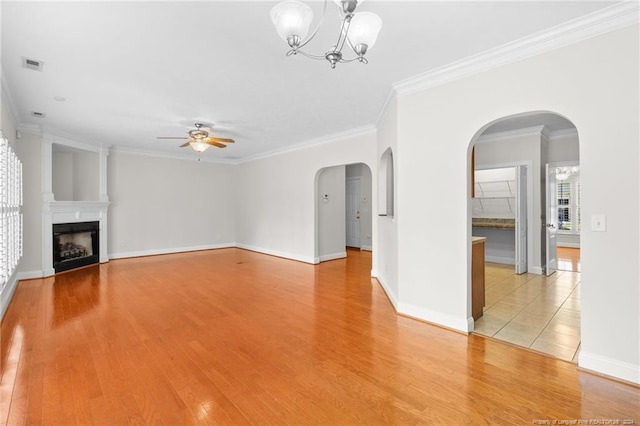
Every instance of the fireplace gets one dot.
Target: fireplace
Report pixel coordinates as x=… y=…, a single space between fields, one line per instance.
x=75 y=245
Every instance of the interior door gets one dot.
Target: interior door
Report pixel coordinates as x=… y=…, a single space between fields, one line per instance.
x=551 y=220
x=353 y=212
x=521 y=219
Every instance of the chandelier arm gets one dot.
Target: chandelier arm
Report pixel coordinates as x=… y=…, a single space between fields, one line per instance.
x=321 y=57
x=313 y=34
x=344 y=30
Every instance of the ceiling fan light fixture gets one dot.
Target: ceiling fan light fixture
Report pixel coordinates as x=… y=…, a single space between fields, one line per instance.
x=199 y=145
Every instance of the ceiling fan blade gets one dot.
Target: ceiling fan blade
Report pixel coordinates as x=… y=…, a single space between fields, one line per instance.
x=225 y=140
x=185 y=144
x=219 y=145
x=171 y=137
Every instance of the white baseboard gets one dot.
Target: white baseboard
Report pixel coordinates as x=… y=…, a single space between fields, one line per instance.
x=610 y=367
x=366 y=248
x=569 y=245
x=278 y=253
x=499 y=259
x=332 y=256
x=29 y=275
x=439 y=318
x=169 y=250
x=535 y=270
x=7 y=294
x=471 y=324
x=392 y=297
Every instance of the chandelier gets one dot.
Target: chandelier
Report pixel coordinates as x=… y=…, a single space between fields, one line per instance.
x=358 y=30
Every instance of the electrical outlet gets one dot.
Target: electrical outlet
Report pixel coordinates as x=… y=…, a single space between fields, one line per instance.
x=598 y=222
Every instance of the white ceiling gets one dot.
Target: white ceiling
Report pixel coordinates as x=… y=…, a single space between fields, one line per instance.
x=132 y=71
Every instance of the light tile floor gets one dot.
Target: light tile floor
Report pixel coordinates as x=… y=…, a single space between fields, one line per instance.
x=534 y=311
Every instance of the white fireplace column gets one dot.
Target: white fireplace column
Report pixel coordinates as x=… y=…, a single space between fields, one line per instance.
x=71 y=211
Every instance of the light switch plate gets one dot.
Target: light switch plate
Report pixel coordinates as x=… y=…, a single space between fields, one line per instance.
x=598 y=222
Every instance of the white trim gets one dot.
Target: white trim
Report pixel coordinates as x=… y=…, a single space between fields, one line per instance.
x=278 y=253
x=73 y=143
x=7 y=294
x=471 y=324
x=323 y=140
x=392 y=297
x=172 y=250
x=534 y=270
x=187 y=155
x=366 y=248
x=510 y=134
x=569 y=245
x=332 y=256
x=500 y=259
x=560 y=134
x=609 y=366
x=29 y=275
x=435 y=317
x=611 y=18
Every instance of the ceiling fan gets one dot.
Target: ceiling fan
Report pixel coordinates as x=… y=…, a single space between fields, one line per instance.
x=200 y=140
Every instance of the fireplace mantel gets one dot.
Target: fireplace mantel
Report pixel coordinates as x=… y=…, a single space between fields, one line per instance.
x=71 y=211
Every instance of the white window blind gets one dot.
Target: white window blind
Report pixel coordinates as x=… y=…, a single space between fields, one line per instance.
x=10 y=216
x=568 y=196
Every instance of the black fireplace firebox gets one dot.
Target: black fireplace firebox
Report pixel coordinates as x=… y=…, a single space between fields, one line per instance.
x=75 y=245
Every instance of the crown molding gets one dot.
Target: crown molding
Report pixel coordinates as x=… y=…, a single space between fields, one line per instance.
x=566 y=133
x=588 y=26
x=186 y=157
x=513 y=134
x=323 y=140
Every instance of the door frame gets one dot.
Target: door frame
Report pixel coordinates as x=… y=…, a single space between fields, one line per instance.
x=346 y=191
x=529 y=166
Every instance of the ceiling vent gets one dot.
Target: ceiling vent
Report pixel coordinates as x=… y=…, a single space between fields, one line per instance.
x=38 y=114
x=32 y=64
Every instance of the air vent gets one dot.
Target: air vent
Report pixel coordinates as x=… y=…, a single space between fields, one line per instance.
x=32 y=64
x=38 y=114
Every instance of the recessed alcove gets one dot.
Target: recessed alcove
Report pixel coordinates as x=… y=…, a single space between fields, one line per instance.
x=75 y=174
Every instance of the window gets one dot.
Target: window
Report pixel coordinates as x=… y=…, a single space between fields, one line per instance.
x=568 y=195
x=10 y=216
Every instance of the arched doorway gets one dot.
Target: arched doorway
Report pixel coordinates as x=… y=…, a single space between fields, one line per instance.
x=537 y=308
x=343 y=210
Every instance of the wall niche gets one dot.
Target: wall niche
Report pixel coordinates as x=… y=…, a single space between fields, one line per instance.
x=75 y=174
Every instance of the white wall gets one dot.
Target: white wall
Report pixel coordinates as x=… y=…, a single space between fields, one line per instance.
x=276 y=199
x=62 y=174
x=331 y=218
x=564 y=147
x=30 y=153
x=86 y=172
x=166 y=205
x=366 y=209
x=385 y=254
x=594 y=83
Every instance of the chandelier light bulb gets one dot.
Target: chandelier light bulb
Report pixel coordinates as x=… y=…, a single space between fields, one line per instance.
x=364 y=29
x=291 y=19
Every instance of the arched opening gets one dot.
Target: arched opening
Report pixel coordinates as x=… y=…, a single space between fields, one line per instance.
x=525 y=209
x=343 y=210
x=386 y=198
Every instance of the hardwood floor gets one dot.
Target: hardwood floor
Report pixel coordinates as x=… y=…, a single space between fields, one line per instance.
x=234 y=337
